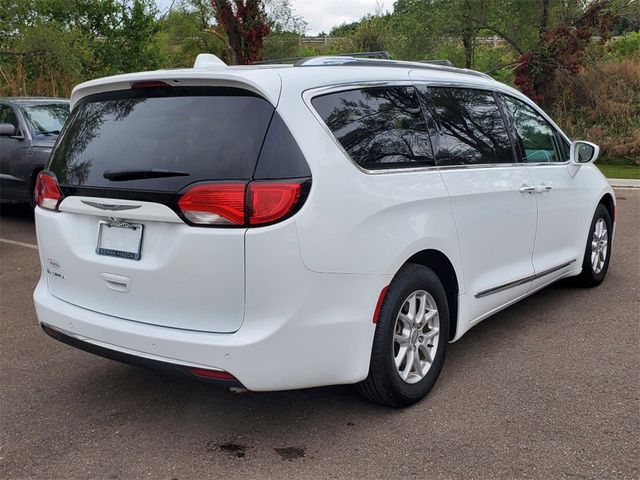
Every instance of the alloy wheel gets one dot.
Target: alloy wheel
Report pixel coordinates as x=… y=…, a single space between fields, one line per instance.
x=599 y=246
x=416 y=336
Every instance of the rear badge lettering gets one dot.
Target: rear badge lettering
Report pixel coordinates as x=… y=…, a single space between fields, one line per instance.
x=54 y=269
x=56 y=274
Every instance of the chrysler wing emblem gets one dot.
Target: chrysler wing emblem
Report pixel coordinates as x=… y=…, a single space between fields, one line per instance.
x=110 y=206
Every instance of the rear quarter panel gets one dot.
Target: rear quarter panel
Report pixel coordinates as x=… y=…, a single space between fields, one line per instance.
x=357 y=222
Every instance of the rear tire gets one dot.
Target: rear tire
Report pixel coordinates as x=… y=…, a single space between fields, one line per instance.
x=407 y=355
x=598 y=249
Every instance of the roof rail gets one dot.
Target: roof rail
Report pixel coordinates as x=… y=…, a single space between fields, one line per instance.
x=371 y=59
x=445 y=62
x=437 y=65
x=277 y=61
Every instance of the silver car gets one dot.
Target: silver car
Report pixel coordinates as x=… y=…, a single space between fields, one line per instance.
x=29 y=127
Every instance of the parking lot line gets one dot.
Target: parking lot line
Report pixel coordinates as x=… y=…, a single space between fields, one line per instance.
x=21 y=244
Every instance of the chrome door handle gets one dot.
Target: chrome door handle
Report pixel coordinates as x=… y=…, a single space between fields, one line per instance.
x=527 y=189
x=542 y=188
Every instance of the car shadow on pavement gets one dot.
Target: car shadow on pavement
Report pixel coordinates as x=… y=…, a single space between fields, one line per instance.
x=21 y=212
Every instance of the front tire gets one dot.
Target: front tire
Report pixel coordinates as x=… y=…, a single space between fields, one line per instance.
x=410 y=341
x=598 y=249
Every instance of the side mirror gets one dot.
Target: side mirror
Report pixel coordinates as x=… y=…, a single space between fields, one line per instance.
x=7 y=130
x=583 y=152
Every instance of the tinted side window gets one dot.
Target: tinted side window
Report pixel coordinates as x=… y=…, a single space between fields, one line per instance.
x=536 y=137
x=380 y=127
x=566 y=148
x=473 y=130
x=7 y=115
x=280 y=156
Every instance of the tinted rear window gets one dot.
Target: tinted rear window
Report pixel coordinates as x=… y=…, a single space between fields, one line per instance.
x=472 y=127
x=209 y=133
x=381 y=127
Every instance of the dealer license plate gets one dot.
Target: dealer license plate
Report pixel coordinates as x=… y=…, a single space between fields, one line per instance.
x=119 y=239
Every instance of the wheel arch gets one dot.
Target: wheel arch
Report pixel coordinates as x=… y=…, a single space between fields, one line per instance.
x=610 y=205
x=443 y=268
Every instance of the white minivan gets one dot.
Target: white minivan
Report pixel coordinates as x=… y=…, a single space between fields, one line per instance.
x=335 y=221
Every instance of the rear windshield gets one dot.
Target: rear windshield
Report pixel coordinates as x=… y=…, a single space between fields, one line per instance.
x=161 y=139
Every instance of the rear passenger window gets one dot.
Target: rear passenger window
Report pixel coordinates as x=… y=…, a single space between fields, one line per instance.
x=537 y=139
x=473 y=130
x=381 y=127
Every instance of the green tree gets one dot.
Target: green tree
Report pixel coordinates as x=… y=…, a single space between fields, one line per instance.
x=46 y=46
x=187 y=30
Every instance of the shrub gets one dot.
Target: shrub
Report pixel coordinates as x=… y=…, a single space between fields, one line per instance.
x=601 y=103
x=625 y=47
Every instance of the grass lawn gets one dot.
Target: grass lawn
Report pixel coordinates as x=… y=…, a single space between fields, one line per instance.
x=619 y=171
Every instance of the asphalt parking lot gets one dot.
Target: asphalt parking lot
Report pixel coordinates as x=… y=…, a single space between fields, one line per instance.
x=548 y=388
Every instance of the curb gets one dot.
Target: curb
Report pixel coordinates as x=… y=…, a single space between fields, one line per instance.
x=624 y=182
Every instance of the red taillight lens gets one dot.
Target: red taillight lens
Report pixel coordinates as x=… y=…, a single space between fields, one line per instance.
x=214 y=374
x=271 y=201
x=376 y=313
x=149 y=84
x=241 y=204
x=47 y=193
x=215 y=204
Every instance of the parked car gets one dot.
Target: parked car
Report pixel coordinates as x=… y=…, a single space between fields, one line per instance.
x=29 y=127
x=338 y=221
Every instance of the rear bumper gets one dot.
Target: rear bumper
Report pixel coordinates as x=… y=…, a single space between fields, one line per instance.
x=130 y=359
x=325 y=338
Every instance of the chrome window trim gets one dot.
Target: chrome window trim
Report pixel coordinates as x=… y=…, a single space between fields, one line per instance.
x=309 y=94
x=482 y=165
x=502 y=91
x=551 y=123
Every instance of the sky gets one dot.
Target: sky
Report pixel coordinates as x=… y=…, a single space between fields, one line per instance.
x=321 y=15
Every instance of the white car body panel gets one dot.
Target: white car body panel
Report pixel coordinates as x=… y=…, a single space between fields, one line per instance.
x=145 y=290
x=563 y=220
x=496 y=226
x=291 y=305
x=319 y=332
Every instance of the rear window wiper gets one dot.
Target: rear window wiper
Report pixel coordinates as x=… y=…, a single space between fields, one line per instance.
x=121 y=175
x=50 y=132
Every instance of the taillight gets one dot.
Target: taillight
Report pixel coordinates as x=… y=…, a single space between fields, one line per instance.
x=47 y=193
x=215 y=204
x=149 y=84
x=241 y=204
x=271 y=201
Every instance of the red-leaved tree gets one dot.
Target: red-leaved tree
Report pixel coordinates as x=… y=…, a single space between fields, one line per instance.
x=246 y=26
x=561 y=50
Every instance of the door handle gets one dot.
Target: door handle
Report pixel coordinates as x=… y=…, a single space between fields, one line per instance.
x=118 y=283
x=543 y=188
x=527 y=189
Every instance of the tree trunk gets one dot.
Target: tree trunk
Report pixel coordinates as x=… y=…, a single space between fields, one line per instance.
x=226 y=18
x=544 y=18
x=467 y=43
